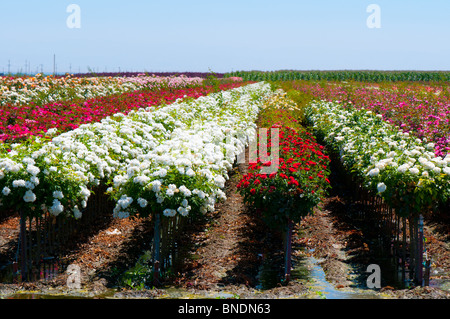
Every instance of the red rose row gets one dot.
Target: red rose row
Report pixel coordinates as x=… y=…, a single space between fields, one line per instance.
x=299 y=182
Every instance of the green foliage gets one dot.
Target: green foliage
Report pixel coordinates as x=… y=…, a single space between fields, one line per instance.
x=361 y=76
x=212 y=80
x=140 y=276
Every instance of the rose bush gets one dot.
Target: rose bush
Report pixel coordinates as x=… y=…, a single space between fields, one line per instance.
x=19 y=122
x=422 y=110
x=147 y=156
x=301 y=179
x=185 y=174
x=42 y=89
x=401 y=168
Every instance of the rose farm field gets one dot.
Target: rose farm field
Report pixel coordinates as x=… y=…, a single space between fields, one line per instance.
x=255 y=184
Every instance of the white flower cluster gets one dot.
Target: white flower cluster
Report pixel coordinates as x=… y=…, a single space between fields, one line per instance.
x=176 y=156
x=380 y=153
x=40 y=180
x=189 y=169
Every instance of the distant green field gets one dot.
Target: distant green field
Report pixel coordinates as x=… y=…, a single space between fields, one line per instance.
x=363 y=76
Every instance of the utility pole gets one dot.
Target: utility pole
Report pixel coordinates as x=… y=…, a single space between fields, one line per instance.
x=9 y=67
x=54 y=64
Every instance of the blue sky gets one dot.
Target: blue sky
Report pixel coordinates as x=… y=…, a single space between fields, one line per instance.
x=222 y=36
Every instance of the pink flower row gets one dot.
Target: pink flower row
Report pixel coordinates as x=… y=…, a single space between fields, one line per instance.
x=422 y=110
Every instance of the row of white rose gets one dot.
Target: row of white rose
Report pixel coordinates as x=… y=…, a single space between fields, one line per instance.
x=49 y=89
x=169 y=159
x=389 y=161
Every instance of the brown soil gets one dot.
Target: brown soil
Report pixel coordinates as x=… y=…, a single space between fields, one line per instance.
x=227 y=252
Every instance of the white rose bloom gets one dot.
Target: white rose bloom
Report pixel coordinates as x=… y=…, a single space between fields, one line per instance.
x=219 y=181
x=184 y=211
x=58 y=195
x=29 y=196
x=162 y=173
x=190 y=172
x=141 y=179
x=51 y=131
x=429 y=165
x=142 y=202
x=436 y=170
x=391 y=154
x=381 y=187
x=85 y=192
x=422 y=160
x=156 y=186
x=16 y=168
x=447 y=159
x=221 y=195
x=76 y=212
x=186 y=192
x=170 y=192
x=33 y=170
x=56 y=208
x=124 y=201
x=28 y=160
x=118 y=180
x=403 y=168
x=6 y=191
x=29 y=185
x=19 y=183
x=34 y=180
x=169 y=212
x=374 y=172
x=199 y=193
